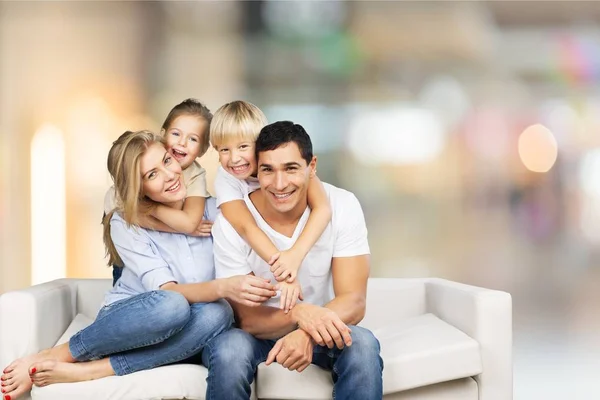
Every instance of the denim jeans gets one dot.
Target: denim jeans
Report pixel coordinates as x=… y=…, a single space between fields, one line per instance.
x=151 y=329
x=233 y=356
x=117 y=272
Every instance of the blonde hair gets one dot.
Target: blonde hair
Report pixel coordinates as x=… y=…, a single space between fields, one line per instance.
x=238 y=119
x=196 y=109
x=124 y=167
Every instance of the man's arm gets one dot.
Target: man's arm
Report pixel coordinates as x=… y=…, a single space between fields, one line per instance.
x=350 y=276
x=264 y=322
x=350 y=286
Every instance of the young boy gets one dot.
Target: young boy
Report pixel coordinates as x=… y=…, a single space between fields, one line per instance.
x=234 y=129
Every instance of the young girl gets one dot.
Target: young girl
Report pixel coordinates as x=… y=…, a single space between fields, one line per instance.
x=186 y=132
x=233 y=131
x=167 y=305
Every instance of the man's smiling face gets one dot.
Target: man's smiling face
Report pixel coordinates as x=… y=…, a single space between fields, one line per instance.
x=284 y=176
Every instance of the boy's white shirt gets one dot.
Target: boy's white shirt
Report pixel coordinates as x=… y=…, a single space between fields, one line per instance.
x=344 y=236
x=229 y=188
x=194 y=179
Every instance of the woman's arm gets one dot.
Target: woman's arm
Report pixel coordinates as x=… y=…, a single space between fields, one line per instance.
x=238 y=215
x=248 y=290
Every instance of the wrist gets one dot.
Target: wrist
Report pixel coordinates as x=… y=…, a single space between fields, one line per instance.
x=221 y=287
x=296 y=312
x=299 y=251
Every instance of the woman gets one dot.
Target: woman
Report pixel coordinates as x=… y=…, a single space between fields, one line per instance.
x=167 y=304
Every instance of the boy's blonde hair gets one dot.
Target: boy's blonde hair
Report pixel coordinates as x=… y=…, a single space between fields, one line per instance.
x=238 y=119
x=124 y=167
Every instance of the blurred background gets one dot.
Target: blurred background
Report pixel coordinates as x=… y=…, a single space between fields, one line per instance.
x=470 y=132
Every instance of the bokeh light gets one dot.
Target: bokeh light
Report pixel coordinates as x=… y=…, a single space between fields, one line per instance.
x=537 y=148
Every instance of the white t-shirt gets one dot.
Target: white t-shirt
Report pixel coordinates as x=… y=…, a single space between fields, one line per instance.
x=345 y=236
x=194 y=179
x=229 y=188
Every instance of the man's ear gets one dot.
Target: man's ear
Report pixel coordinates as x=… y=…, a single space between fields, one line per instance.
x=313 y=166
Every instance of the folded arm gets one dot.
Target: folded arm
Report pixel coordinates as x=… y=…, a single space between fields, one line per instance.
x=182 y=221
x=350 y=276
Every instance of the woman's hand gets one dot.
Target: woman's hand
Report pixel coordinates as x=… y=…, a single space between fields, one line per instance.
x=248 y=290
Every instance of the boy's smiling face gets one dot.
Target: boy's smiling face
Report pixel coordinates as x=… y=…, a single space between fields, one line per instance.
x=184 y=138
x=237 y=157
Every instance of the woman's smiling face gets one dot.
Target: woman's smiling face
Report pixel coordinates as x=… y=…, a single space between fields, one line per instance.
x=161 y=175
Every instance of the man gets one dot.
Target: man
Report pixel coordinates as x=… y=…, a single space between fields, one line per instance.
x=321 y=330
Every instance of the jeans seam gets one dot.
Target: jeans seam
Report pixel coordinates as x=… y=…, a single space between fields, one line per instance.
x=122 y=363
x=82 y=352
x=152 y=342
x=190 y=352
x=139 y=298
x=210 y=362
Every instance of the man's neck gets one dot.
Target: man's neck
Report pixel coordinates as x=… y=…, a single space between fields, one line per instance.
x=284 y=223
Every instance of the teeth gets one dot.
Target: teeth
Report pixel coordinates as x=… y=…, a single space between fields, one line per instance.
x=282 y=196
x=180 y=153
x=174 y=187
x=240 y=168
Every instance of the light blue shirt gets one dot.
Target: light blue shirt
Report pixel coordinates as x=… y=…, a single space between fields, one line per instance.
x=153 y=258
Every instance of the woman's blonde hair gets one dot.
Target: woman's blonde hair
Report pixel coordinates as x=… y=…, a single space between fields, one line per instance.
x=238 y=119
x=124 y=167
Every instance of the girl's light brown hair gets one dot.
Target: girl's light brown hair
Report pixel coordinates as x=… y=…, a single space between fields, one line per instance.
x=196 y=109
x=124 y=167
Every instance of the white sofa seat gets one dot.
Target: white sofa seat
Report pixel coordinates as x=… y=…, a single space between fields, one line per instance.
x=439 y=340
x=417 y=351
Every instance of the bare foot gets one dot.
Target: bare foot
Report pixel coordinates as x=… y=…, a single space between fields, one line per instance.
x=52 y=371
x=16 y=378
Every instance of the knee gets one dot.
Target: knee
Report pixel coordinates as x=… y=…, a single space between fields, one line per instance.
x=219 y=315
x=365 y=348
x=173 y=309
x=231 y=350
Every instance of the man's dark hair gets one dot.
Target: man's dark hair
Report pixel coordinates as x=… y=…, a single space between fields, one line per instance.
x=280 y=133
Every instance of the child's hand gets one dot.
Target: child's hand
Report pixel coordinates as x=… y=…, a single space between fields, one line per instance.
x=285 y=265
x=203 y=228
x=290 y=293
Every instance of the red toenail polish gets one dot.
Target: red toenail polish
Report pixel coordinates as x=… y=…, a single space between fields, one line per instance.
x=33 y=370
x=7 y=397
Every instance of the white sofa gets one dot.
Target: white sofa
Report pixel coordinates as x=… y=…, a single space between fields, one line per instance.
x=439 y=340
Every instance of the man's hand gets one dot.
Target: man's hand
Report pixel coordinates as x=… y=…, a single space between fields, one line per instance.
x=294 y=351
x=285 y=265
x=203 y=229
x=290 y=293
x=323 y=325
x=248 y=290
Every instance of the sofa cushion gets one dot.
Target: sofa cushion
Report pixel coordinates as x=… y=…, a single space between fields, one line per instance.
x=79 y=322
x=416 y=352
x=183 y=381
x=425 y=350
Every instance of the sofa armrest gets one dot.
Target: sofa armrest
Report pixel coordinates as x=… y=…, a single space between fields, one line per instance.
x=486 y=316
x=390 y=300
x=33 y=319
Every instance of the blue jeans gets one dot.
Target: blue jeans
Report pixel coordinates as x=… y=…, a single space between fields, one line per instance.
x=149 y=330
x=233 y=356
x=117 y=272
